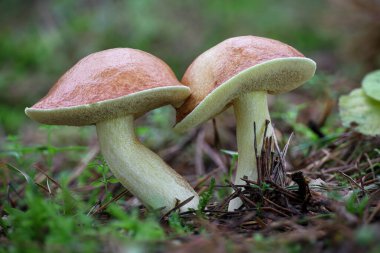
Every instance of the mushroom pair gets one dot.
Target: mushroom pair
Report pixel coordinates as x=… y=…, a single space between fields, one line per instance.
x=240 y=72
x=113 y=87
x=110 y=89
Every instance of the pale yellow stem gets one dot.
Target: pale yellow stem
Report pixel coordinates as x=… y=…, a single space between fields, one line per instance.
x=140 y=170
x=249 y=108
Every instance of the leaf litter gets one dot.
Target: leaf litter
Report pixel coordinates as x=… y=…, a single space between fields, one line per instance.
x=326 y=201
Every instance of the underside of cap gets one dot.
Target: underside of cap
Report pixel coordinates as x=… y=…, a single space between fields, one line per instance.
x=274 y=76
x=133 y=104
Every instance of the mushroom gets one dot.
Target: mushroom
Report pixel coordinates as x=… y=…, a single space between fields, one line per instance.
x=110 y=89
x=241 y=71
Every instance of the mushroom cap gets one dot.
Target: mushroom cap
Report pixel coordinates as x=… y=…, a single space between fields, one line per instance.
x=371 y=85
x=237 y=66
x=109 y=84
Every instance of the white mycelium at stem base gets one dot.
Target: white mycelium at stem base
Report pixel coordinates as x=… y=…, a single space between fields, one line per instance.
x=249 y=108
x=140 y=170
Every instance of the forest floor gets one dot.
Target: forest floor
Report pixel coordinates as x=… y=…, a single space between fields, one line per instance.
x=330 y=204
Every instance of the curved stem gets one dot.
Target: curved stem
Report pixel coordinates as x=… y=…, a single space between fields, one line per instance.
x=249 y=108
x=140 y=170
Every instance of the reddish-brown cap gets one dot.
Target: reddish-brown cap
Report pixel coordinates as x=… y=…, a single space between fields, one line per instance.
x=109 y=84
x=237 y=66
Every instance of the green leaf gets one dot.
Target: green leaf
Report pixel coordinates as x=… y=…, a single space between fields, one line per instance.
x=45 y=226
x=231 y=153
x=176 y=224
x=206 y=196
x=70 y=204
x=356 y=205
x=357 y=108
x=371 y=85
x=26 y=176
x=365 y=235
x=147 y=229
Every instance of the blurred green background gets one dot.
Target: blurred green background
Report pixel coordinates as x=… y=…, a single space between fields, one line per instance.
x=40 y=40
